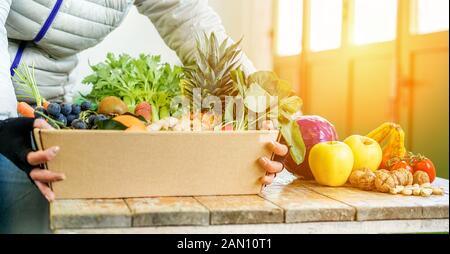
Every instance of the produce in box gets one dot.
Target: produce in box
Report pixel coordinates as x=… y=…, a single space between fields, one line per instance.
x=138 y=94
x=148 y=88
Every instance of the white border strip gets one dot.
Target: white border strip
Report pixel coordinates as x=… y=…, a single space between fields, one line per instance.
x=351 y=227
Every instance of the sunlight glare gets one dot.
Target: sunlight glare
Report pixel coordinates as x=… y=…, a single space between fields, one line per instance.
x=375 y=21
x=289 y=41
x=326 y=24
x=432 y=16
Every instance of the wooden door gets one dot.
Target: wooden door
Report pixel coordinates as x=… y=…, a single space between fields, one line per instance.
x=388 y=73
x=424 y=85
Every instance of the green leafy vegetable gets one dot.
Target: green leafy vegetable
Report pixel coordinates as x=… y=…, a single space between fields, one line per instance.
x=259 y=90
x=293 y=137
x=136 y=80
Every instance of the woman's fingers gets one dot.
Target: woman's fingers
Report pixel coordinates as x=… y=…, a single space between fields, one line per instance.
x=42 y=124
x=42 y=178
x=40 y=157
x=46 y=191
x=267 y=179
x=279 y=149
x=272 y=167
x=46 y=176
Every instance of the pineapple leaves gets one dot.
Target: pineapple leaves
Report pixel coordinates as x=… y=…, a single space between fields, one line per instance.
x=212 y=68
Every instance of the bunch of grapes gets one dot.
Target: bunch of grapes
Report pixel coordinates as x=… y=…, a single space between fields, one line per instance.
x=76 y=116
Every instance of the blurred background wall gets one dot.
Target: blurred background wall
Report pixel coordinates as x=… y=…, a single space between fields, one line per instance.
x=358 y=63
x=250 y=19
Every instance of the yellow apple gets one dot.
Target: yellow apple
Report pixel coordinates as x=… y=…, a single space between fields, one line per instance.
x=331 y=163
x=366 y=151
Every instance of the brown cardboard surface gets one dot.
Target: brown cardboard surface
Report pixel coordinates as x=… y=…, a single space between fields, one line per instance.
x=113 y=164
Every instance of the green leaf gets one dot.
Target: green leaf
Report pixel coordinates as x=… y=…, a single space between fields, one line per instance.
x=270 y=82
x=91 y=79
x=290 y=106
x=164 y=112
x=256 y=98
x=293 y=137
x=110 y=125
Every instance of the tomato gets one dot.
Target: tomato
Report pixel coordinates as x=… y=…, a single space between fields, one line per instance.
x=400 y=165
x=385 y=161
x=427 y=166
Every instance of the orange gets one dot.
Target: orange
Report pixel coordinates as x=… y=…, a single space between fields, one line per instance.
x=129 y=121
x=136 y=128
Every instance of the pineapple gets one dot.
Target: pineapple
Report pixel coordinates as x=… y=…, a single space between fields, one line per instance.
x=211 y=71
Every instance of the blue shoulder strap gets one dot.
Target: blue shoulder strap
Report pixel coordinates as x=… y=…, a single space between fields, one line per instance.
x=44 y=29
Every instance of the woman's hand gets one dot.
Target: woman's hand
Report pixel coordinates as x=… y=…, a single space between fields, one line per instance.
x=43 y=177
x=16 y=146
x=273 y=167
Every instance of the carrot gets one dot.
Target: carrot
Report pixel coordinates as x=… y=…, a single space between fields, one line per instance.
x=25 y=110
x=45 y=103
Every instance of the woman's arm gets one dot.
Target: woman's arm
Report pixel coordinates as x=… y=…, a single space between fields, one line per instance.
x=7 y=95
x=179 y=21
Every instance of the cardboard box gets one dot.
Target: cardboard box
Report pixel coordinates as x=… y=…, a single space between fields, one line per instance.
x=115 y=164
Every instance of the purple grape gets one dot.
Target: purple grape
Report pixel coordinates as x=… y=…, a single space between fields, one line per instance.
x=62 y=119
x=91 y=120
x=76 y=109
x=79 y=124
x=66 y=109
x=71 y=118
x=54 y=109
x=86 y=105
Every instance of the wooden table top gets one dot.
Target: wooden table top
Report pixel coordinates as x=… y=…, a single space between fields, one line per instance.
x=288 y=206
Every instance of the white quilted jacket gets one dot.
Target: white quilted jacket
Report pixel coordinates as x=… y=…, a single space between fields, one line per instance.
x=50 y=33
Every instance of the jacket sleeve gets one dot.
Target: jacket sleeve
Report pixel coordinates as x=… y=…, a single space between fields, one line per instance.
x=8 y=101
x=180 y=21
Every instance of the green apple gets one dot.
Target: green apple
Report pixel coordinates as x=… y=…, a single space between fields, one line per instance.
x=366 y=151
x=331 y=163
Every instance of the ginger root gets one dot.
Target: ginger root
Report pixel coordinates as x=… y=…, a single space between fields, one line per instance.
x=421 y=177
x=385 y=181
x=363 y=179
x=382 y=180
x=403 y=177
x=395 y=182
